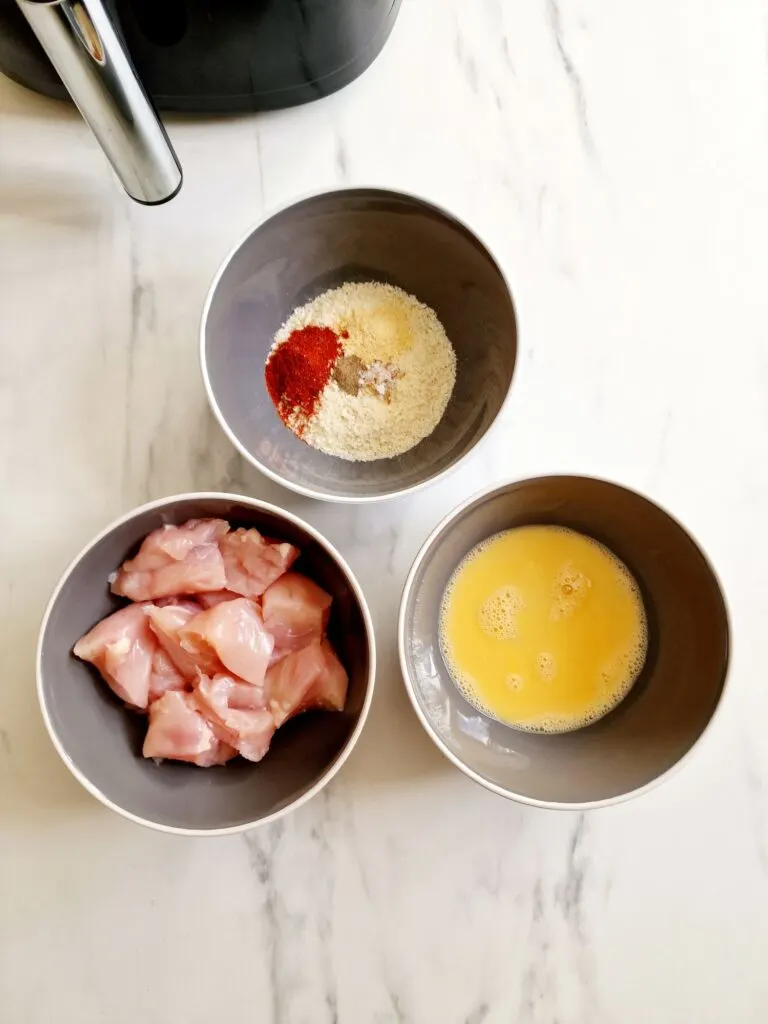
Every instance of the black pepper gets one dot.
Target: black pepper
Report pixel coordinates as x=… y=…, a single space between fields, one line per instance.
x=346 y=373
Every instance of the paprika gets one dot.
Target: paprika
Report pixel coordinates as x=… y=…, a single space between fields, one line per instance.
x=298 y=370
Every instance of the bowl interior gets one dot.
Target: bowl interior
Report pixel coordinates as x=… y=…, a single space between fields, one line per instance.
x=103 y=740
x=358 y=235
x=670 y=704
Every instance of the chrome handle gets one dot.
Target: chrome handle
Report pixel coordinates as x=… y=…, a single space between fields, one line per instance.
x=83 y=46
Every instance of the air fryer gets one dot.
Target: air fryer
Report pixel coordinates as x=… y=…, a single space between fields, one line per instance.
x=118 y=60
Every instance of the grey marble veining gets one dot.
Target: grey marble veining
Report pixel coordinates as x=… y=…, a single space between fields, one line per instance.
x=615 y=158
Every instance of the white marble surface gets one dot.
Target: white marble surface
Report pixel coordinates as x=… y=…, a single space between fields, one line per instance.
x=615 y=156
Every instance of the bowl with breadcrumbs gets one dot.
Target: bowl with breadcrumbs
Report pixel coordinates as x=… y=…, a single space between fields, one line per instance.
x=206 y=664
x=358 y=344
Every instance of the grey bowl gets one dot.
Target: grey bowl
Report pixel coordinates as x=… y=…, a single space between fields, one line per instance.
x=100 y=741
x=673 y=701
x=319 y=243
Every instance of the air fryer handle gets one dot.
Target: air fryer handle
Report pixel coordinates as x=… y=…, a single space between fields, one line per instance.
x=85 y=49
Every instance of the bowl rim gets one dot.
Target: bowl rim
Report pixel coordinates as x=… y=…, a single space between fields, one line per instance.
x=330 y=771
x=310 y=492
x=558 y=805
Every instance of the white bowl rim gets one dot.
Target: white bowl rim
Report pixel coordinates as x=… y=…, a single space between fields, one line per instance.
x=309 y=492
x=557 y=805
x=334 y=767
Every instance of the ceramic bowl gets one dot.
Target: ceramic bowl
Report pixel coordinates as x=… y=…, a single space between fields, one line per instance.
x=321 y=242
x=671 y=704
x=100 y=741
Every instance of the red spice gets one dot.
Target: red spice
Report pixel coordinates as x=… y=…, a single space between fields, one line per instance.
x=298 y=370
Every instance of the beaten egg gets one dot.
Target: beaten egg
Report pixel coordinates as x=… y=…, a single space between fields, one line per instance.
x=543 y=628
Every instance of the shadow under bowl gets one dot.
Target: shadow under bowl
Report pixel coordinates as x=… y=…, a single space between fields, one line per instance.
x=356 y=235
x=100 y=740
x=670 y=705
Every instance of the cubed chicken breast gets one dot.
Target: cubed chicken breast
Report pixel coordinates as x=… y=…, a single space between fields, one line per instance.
x=215 y=597
x=233 y=632
x=164 y=676
x=329 y=691
x=310 y=677
x=236 y=714
x=253 y=563
x=295 y=611
x=222 y=645
x=179 y=732
x=122 y=647
x=175 y=560
x=165 y=622
x=174 y=543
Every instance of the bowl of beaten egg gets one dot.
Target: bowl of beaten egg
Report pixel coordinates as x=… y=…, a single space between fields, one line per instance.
x=563 y=641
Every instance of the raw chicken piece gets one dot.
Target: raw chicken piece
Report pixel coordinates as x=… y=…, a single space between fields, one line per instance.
x=329 y=691
x=175 y=560
x=253 y=563
x=177 y=730
x=224 y=753
x=277 y=655
x=164 y=676
x=216 y=597
x=236 y=714
x=174 y=543
x=165 y=622
x=202 y=569
x=311 y=677
x=234 y=633
x=122 y=647
x=295 y=611
x=229 y=692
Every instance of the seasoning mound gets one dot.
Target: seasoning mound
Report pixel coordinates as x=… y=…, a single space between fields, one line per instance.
x=363 y=372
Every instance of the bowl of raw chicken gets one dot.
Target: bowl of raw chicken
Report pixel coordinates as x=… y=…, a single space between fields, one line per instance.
x=206 y=664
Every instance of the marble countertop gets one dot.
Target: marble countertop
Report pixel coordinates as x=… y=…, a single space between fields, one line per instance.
x=615 y=157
